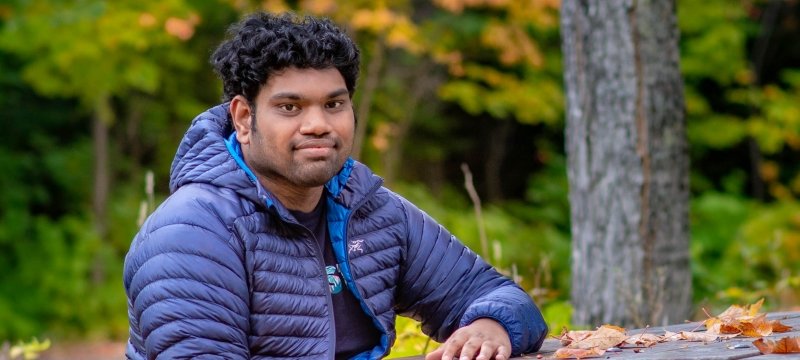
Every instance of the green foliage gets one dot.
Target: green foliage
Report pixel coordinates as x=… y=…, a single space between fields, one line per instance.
x=722 y=48
x=715 y=228
x=127 y=51
x=70 y=277
x=558 y=316
x=731 y=233
x=24 y=350
x=503 y=72
x=410 y=339
x=713 y=40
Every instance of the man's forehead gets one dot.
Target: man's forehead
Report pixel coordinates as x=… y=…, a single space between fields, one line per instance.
x=298 y=83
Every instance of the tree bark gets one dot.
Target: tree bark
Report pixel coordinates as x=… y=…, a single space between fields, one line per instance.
x=101 y=121
x=103 y=117
x=368 y=93
x=425 y=82
x=495 y=153
x=628 y=165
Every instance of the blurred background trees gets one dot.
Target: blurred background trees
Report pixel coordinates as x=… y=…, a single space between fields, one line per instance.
x=96 y=94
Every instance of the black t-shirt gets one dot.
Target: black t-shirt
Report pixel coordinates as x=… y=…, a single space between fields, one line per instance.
x=355 y=331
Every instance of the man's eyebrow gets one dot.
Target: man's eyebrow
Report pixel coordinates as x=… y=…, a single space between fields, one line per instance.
x=337 y=93
x=296 y=96
x=286 y=95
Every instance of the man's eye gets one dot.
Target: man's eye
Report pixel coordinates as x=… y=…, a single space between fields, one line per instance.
x=335 y=104
x=289 y=107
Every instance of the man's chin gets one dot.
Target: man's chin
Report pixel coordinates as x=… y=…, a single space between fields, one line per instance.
x=313 y=176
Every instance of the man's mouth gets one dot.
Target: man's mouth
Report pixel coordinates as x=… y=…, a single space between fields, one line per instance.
x=316 y=148
x=315 y=143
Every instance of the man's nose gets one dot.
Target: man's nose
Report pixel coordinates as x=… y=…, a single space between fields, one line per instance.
x=315 y=121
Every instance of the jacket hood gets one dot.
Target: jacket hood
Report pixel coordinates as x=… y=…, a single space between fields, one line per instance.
x=204 y=157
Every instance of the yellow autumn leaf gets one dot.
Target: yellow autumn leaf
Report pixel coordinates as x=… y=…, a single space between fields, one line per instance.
x=758 y=327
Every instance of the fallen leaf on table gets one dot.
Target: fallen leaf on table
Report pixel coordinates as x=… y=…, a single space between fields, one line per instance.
x=566 y=353
x=604 y=337
x=787 y=345
x=568 y=337
x=742 y=312
x=758 y=327
x=732 y=315
x=672 y=336
x=778 y=327
x=646 y=340
x=745 y=321
x=695 y=336
x=589 y=343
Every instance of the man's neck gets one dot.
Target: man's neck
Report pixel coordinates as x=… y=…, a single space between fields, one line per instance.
x=297 y=198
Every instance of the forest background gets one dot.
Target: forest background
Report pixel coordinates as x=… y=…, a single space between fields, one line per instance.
x=95 y=96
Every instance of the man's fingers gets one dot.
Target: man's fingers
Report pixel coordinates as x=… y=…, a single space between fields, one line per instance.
x=487 y=351
x=470 y=349
x=484 y=339
x=503 y=353
x=436 y=354
x=449 y=349
x=452 y=346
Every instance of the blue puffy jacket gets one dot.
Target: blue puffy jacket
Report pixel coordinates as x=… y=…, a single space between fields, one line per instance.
x=219 y=271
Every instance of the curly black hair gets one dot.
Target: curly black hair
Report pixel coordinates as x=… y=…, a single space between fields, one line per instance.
x=262 y=44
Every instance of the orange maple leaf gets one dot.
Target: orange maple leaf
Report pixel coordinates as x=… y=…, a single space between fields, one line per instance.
x=757 y=327
x=778 y=327
x=744 y=320
x=787 y=345
x=734 y=313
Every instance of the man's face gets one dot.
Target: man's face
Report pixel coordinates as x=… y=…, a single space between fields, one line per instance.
x=303 y=128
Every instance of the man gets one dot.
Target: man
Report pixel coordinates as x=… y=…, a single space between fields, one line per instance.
x=276 y=244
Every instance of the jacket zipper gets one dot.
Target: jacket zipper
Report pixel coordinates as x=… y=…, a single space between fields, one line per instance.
x=328 y=298
x=320 y=255
x=357 y=293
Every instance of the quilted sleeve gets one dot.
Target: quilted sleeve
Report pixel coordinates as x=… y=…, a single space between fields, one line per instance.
x=186 y=285
x=446 y=286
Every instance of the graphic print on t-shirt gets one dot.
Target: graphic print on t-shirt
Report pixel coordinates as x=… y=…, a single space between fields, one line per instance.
x=334 y=279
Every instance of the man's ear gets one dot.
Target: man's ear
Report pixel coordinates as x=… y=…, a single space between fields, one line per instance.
x=241 y=115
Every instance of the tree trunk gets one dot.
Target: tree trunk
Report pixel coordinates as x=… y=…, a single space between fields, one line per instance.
x=103 y=117
x=367 y=94
x=628 y=163
x=425 y=82
x=133 y=139
x=100 y=123
x=495 y=153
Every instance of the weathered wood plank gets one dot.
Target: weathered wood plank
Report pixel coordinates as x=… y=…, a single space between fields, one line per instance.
x=697 y=350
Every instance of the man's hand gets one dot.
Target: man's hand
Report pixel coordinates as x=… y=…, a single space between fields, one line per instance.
x=484 y=339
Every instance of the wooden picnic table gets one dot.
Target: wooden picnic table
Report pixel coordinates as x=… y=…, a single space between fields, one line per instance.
x=735 y=348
